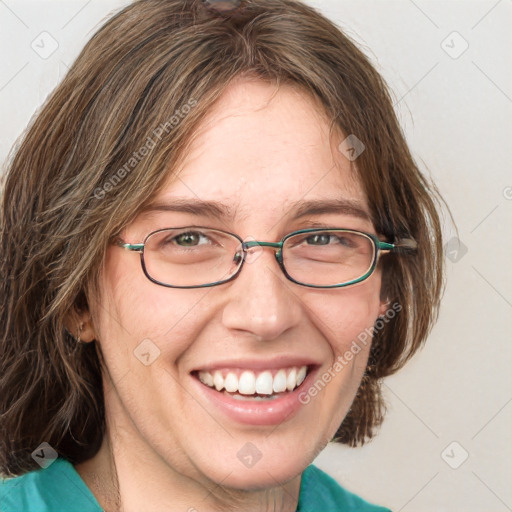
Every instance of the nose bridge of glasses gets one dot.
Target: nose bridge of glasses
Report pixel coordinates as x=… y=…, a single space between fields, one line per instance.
x=254 y=243
x=251 y=244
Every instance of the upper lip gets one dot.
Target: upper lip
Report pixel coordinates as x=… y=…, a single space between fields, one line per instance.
x=259 y=364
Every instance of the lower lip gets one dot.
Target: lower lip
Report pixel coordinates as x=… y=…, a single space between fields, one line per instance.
x=257 y=412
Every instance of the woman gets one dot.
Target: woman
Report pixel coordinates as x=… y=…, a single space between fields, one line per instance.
x=288 y=259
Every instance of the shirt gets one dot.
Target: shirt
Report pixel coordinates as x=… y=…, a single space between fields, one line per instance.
x=59 y=488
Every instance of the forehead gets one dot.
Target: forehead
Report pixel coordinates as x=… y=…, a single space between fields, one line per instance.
x=260 y=151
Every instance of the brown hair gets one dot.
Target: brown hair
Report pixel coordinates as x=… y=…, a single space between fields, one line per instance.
x=65 y=195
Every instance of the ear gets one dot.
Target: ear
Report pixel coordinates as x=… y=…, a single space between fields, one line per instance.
x=79 y=324
x=383 y=306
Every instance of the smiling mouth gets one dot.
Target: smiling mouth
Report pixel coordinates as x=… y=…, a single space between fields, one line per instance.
x=250 y=385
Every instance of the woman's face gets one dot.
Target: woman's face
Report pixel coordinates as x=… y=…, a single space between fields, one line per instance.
x=266 y=162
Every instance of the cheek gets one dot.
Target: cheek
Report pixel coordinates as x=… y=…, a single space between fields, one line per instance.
x=346 y=320
x=135 y=317
x=347 y=315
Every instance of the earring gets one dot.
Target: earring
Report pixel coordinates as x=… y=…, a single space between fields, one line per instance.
x=80 y=327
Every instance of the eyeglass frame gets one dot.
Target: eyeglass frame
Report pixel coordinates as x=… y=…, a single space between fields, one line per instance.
x=404 y=245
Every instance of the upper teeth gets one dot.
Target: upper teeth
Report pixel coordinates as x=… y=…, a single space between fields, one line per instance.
x=249 y=383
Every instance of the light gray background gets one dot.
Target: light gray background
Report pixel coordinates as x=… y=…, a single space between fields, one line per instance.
x=456 y=109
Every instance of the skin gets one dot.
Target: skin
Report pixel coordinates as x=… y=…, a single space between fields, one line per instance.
x=259 y=151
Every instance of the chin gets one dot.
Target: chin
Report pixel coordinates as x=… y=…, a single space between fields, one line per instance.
x=246 y=467
x=261 y=476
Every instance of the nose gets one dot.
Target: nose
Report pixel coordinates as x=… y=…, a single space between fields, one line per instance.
x=261 y=301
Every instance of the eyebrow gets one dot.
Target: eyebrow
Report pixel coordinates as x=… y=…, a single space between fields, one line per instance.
x=192 y=206
x=329 y=206
x=297 y=210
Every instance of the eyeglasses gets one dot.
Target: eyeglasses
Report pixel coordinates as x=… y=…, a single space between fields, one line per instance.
x=198 y=257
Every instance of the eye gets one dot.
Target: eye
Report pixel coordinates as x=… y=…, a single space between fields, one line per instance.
x=190 y=239
x=319 y=239
x=329 y=238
